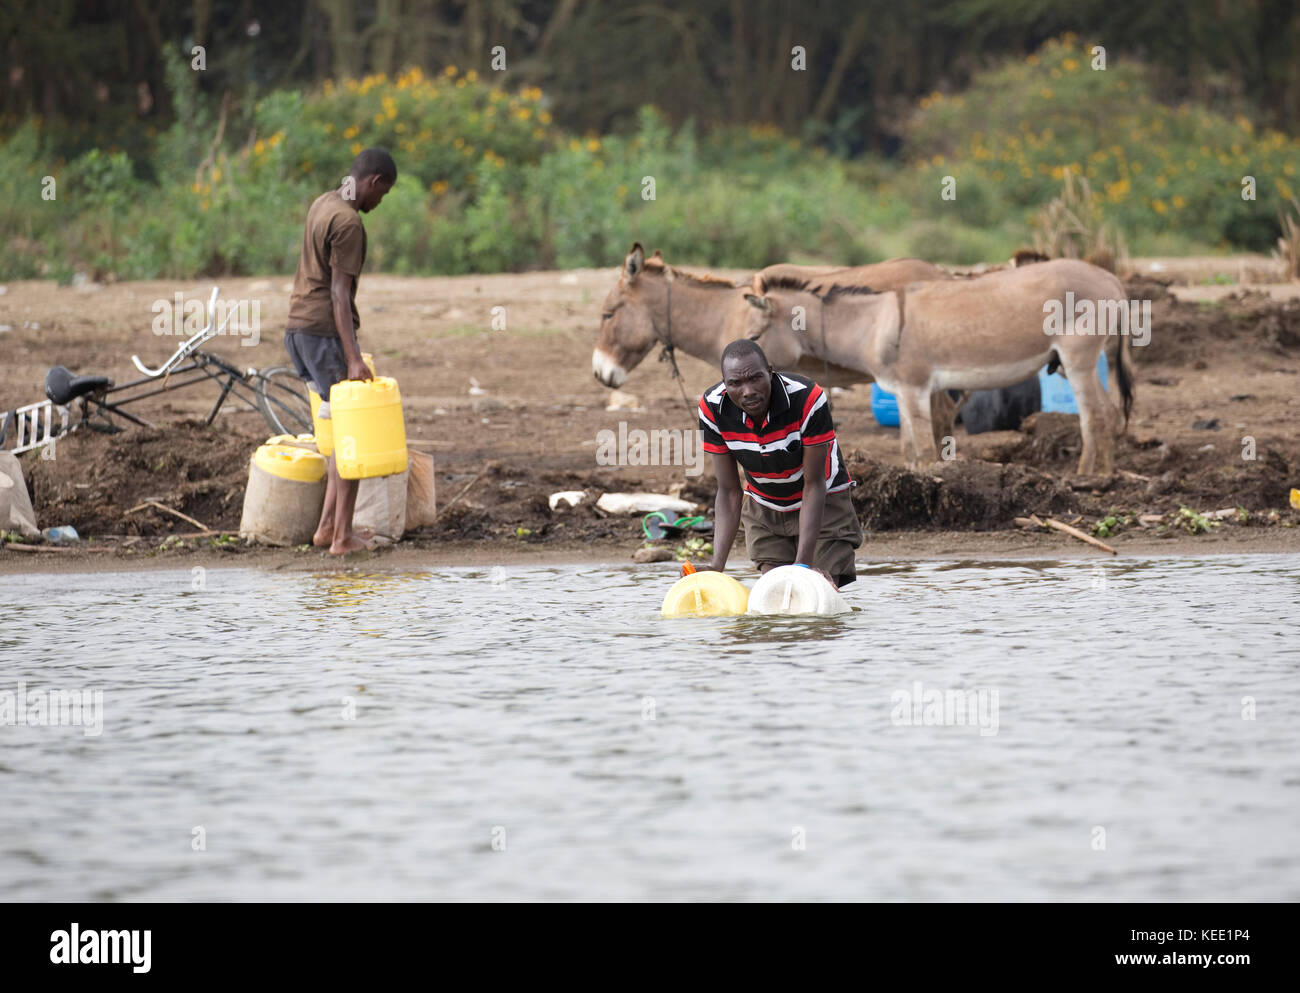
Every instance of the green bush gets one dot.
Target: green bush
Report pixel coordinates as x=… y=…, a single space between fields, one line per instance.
x=1159 y=169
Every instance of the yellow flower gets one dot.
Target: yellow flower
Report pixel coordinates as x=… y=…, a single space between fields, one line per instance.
x=1158 y=206
x=1070 y=65
x=379 y=118
x=1178 y=202
x=351 y=132
x=1032 y=60
x=471 y=76
x=275 y=139
x=622 y=190
x=356 y=148
x=449 y=71
x=440 y=187
x=195 y=187
x=593 y=144
x=205 y=205
x=523 y=113
x=259 y=147
x=216 y=174
x=1045 y=93
x=937 y=160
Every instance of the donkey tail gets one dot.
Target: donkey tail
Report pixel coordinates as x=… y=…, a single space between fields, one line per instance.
x=1124 y=375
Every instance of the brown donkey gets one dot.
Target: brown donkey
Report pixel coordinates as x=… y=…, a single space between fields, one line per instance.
x=982 y=333
x=655 y=304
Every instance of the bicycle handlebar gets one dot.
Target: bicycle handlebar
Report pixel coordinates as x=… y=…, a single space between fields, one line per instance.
x=184 y=350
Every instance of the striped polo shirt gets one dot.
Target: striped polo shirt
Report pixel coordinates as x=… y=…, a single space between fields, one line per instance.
x=771 y=453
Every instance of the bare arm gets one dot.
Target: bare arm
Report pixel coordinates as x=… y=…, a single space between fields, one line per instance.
x=814 y=503
x=726 y=509
x=341 y=298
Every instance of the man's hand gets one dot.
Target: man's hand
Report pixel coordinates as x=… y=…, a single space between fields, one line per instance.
x=358 y=370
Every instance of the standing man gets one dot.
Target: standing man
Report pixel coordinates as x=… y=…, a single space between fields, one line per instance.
x=321 y=333
x=778 y=426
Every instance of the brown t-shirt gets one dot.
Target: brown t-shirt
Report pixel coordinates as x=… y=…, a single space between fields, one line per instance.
x=334 y=238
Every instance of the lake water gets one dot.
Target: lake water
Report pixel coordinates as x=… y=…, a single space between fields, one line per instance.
x=1127 y=730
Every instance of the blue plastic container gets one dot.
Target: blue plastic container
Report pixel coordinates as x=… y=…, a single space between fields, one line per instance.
x=884 y=407
x=1058 y=395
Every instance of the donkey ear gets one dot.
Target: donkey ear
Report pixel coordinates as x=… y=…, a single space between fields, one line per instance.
x=658 y=255
x=635 y=262
x=759 y=283
x=762 y=303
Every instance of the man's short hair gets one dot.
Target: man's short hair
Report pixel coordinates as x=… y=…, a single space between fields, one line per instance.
x=374 y=162
x=742 y=348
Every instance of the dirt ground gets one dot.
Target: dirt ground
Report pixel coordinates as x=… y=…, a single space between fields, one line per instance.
x=1223 y=366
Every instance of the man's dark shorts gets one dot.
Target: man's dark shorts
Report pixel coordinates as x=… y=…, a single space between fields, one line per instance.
x=319 y=360
x=773 y=536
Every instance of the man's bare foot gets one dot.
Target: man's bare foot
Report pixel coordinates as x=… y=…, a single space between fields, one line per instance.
x=324 y=537
x=352 y=543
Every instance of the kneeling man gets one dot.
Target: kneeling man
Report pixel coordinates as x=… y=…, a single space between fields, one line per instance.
x=796 y=497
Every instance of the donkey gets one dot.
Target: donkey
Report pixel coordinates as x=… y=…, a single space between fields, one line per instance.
x=653 y=303
x=982 y=333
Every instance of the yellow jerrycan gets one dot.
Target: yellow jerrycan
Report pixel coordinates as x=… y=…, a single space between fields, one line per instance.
x=323 y=428
x=706 y=594
x=282 y=502
x=369 y=432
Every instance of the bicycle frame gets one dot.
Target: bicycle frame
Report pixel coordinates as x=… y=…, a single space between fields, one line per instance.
x=205 y=364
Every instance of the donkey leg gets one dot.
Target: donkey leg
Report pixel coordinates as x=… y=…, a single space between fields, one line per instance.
x=943 y=417
x=914 y=414
x=1091 y=399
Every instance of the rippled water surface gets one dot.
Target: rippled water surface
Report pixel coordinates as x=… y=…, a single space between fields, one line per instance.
x=540 y=733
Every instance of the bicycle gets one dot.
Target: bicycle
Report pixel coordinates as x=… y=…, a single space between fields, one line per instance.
x=277 y=394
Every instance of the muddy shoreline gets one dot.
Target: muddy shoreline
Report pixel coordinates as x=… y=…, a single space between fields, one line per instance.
x=417 y=554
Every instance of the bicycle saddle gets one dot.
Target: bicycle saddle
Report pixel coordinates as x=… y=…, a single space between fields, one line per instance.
x=62 y=387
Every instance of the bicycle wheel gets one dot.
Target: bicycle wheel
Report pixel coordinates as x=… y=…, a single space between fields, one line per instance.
x=282 y=399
